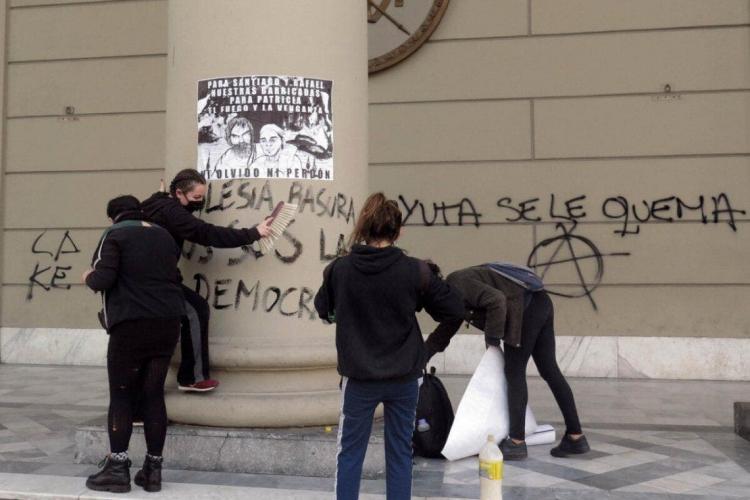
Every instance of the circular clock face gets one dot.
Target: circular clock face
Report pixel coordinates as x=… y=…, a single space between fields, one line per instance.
x=397 y=28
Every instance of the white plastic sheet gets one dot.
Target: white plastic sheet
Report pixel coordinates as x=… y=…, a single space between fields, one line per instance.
x=483 y=409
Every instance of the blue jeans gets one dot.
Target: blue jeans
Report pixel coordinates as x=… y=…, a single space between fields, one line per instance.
x=359 y=399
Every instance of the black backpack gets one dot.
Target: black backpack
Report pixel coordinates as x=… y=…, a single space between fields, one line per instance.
x=434 y=417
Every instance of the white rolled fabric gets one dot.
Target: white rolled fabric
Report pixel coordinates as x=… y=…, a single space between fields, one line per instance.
x=483 y=409
x=544 y=434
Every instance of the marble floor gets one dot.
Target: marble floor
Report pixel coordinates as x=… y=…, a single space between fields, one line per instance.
x=660 y=440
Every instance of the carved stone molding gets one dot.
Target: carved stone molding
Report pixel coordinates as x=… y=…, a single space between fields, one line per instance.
x=414 y=42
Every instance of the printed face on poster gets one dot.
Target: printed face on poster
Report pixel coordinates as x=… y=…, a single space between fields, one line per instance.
x=265 y=127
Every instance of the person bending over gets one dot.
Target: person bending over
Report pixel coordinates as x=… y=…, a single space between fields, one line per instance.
x=500 y=302
x=135 y=269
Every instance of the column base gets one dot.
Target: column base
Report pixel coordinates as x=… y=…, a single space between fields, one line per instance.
x=309 y=452
x=233 y=409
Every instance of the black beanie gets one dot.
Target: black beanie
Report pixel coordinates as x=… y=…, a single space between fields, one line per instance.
x=121 y=204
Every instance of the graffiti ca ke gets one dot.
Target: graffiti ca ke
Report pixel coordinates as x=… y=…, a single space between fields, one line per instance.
x=53 y=275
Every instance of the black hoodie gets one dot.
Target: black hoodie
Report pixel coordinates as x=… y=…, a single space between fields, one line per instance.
x=166 y=211
x=375 y=293
x=135 y=268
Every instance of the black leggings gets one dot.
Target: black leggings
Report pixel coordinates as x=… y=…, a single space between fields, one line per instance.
x=537 y=341
x=137 y=363
x=194 y=339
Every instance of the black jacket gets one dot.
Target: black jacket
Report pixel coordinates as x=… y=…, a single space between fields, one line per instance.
x=494 y=303
x=135 y=268
x=167 y=212
x=374 y=294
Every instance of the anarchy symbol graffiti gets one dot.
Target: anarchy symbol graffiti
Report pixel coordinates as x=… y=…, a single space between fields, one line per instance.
x=567 y=249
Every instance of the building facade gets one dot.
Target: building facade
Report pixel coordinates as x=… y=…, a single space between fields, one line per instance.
x=605 y=143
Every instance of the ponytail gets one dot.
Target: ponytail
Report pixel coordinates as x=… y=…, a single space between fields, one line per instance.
x=380 y=219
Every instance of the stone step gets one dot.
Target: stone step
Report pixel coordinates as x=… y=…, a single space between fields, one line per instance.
x=33 y=486
x=306 y=451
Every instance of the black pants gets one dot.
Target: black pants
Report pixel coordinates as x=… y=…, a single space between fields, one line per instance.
x=137 y=362
x=194 y=339
x=537 y=341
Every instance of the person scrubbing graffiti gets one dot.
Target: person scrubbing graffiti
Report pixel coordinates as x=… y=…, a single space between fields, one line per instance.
x=173 y=210
x=509 y=304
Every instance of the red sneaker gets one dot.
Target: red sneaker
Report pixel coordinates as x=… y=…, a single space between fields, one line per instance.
x=202 y=386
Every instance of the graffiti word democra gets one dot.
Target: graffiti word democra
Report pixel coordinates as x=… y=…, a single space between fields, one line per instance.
x=225 y=293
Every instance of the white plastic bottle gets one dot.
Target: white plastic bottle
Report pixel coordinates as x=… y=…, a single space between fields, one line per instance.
x=491 y=471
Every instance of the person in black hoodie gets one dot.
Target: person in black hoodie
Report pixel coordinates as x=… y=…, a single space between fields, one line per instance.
x=135 y=269
x=372 y=294
x=508 y=303
x=174 y=212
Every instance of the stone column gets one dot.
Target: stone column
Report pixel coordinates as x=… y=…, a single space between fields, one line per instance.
x=276 y=364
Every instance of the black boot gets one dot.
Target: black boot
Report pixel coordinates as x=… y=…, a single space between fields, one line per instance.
x=114 y=477
x=570 y=446
x=149 y=477
x=513 y=451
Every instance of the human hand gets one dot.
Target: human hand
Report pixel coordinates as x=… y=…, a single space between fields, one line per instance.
x=86 y=274
x=491 y=342
x=264 y=228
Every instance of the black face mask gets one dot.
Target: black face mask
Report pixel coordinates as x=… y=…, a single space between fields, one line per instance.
x=195 y=206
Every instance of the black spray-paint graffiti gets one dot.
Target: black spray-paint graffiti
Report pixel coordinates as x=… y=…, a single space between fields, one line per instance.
x=566 y=213
x=228 y=293
x=286 y=255
x=710 y=209
x=288 y=251
x=51 y=276
x=566 y=249
x=450 y=213
x=339 y=250
x=234 y=195
x=523 y=212
x=668 y=210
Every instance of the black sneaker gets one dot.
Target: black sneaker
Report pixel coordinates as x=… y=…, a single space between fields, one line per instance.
x=570 y=446
x=114 y=477
x=513 y=451
x=149 y=477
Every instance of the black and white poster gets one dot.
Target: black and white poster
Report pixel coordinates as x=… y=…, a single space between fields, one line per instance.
x=265 y=127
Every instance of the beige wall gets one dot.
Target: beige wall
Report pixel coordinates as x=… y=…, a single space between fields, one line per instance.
x=517 y=100
x=108 y=60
